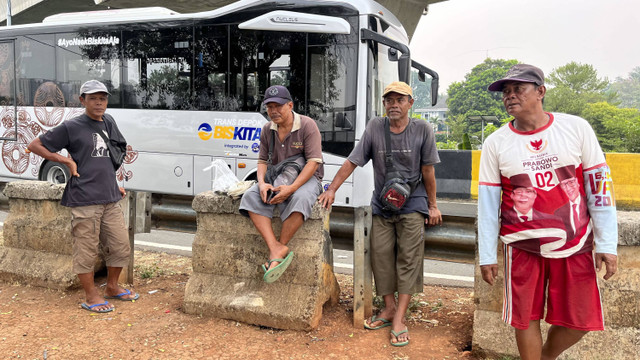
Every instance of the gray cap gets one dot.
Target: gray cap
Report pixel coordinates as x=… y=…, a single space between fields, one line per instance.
x=92 y=87
x=522 y=73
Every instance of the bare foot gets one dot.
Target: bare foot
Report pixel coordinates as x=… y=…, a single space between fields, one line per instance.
x=402 y=334
x=386 y=314
x=120 y=293
x=279 y=253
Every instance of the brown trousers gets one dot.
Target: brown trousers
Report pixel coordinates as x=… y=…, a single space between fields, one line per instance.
x=397 y=253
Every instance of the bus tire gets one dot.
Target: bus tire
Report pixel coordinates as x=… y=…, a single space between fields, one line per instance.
x=54 y=173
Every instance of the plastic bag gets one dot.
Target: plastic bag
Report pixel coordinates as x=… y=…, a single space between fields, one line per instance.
x=223 y=177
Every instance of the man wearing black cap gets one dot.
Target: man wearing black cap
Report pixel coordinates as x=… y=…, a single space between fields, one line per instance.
x=397 y=236
x=287 y=135
x=92 y=193
x=546 y=264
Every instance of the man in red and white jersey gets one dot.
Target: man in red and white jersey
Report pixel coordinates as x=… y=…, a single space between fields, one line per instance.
x=553 y=261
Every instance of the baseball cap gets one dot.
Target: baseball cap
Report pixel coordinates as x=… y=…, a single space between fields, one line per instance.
x=92 y=87
x=278 y=94
x=399 y=87
x=520 y=72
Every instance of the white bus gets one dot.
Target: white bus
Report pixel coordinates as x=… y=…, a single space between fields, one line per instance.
x=187 y=88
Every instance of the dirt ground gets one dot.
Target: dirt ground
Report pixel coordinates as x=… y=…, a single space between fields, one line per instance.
x=37 y=323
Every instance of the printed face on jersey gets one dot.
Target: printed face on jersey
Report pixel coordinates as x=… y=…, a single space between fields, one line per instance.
x=397 y=106
x=280 y=114
x=523 y=199
x=571 y=188
x=520 y=98
x=95 y=104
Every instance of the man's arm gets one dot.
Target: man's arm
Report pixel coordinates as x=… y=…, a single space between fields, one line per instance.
x=604 y=217
x=429 y=181
x=488 y=230
x=37 y=148
x=328 y=197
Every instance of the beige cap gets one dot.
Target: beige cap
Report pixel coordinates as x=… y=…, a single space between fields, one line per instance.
x=399 y=87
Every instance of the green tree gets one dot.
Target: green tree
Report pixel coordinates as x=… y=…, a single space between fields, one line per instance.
x=628 y=89
x=471 y=97
x=618 y=130
x=573 y=86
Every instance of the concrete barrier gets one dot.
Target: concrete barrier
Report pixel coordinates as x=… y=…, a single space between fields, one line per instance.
x=37 y=237
x=620 y=298
x=227 y=278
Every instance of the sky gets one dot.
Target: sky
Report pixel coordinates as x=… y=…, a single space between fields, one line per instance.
x=457 y=35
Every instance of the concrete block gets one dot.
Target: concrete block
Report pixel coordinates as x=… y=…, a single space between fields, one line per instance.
x=227 y=276
x=496 y=339
x=37 y=241
x=37 y=268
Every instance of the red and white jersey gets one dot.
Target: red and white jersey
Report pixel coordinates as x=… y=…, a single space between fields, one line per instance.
x=564 y=151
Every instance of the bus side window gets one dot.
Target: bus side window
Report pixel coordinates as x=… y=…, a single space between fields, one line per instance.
x=158 y=68
x=210 y=76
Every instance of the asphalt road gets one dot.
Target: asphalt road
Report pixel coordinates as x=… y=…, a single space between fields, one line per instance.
x=435 y=272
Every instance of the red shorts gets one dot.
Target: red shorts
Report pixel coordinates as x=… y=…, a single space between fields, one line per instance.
x=569 y=285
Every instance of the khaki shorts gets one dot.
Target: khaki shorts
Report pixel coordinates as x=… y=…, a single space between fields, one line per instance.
x=99 y=225
x=397 y=253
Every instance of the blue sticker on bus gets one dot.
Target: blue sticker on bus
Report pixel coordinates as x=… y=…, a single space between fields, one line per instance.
x=255 y=147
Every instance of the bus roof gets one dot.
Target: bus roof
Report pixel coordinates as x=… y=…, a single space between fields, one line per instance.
x=119 y=16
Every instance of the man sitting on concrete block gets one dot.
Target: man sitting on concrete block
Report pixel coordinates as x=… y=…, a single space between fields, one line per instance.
x=289 y=138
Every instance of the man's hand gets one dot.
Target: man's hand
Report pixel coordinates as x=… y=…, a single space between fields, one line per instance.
x=489 y=273
x=283 y=193
x=264 y=188
x=122 y=191
x=435 y=217
x=610 y=262
x=327 y=198
x=73 y=167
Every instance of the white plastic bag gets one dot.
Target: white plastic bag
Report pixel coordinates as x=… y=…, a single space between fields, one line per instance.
x=223 y=177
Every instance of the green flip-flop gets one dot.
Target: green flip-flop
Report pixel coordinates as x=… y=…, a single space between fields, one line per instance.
x=396 y=334
x=274 y=274
x=374 y=318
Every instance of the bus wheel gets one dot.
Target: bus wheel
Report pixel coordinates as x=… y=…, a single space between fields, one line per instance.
x=54 y=173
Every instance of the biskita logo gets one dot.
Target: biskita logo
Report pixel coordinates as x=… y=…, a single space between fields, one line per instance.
x=326 y=186
x=204 y=131
x=255 y=147
x=229 y=132
x=537 y=146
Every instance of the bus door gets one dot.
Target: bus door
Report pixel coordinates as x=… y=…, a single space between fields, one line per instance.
x=14 y=143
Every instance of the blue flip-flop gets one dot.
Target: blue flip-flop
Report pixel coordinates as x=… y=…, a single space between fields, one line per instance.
x=374 y=318
x=91 y=307
x=274 y=274
x=122 y=295
x=396 y=334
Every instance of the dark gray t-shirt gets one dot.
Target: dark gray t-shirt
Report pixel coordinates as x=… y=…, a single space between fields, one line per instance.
x=411 y=149
x=97 y=182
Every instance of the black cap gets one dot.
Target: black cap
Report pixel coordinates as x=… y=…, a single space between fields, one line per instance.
x=278 y=94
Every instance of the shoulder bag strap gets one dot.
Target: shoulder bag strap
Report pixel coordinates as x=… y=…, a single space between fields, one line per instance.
x=100 y=131
x=388 y=160
x=271 y=144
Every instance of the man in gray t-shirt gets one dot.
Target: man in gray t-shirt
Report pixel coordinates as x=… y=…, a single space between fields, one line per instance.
x=92 y=193
x=397 y=245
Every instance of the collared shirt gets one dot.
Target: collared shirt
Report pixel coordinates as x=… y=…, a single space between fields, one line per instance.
x=304 y=138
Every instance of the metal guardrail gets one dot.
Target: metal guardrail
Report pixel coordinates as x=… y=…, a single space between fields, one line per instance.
x=454 y=240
